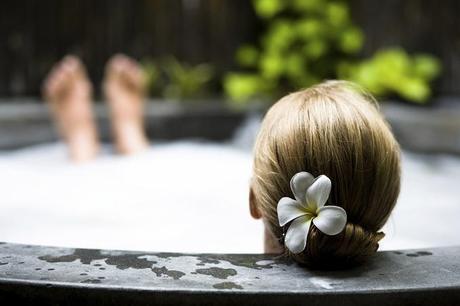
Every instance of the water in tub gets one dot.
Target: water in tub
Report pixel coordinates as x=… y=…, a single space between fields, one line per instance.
x=187 y=196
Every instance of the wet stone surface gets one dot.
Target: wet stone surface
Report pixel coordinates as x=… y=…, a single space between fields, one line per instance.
x=171 y=273
x=420 y=253
x=393 y=270
x=217 y=272
x=227 y=285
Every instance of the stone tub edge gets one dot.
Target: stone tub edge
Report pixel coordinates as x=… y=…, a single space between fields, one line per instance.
x=54 y=275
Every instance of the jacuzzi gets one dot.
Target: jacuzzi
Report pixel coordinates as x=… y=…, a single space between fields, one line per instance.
x=59 y=216
x=133 y=202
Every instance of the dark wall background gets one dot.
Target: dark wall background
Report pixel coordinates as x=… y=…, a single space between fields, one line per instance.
x=36 y=33
x=431 y=26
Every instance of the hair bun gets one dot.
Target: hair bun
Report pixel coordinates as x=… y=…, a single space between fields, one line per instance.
x=352 y=246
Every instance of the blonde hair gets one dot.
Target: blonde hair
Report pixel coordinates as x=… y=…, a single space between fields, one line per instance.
x=336 y=129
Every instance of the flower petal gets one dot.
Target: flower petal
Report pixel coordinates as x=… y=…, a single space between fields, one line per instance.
x=318 y=192
x=296 y=236
x=299 y=185
x=331 y=220
x=288 y=209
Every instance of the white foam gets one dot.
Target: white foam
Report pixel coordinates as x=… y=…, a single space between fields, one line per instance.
x=131 y=203
x=428 y=208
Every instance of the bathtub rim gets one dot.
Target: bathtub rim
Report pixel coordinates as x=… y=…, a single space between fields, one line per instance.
x=436 y=289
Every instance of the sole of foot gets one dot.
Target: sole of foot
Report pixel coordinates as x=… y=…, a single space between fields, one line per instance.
x=68 y=93
x=124 y=89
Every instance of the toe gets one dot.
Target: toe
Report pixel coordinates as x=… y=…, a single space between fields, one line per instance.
x=74 y=66
x=116 y=60
x=115 y=66
x=71 y=61
x=124 y=73
x=64 y=78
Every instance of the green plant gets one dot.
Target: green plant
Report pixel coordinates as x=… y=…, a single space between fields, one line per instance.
x=394 y=71
x=185 y=81
x=152 y=74
x=307 y=41
x=176 y=80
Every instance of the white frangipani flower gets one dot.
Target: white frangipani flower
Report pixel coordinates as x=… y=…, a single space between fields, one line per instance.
x=310 y=196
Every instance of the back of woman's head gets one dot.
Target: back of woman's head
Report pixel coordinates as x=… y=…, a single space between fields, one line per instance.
x=334 y=129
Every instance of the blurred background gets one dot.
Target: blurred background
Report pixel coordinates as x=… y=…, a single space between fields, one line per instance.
x=240 y=42
x=213 y=68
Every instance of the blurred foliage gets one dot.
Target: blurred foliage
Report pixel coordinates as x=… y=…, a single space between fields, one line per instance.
x=307 y=41
x=174 y=80
x=152 y=74
x=393 y=70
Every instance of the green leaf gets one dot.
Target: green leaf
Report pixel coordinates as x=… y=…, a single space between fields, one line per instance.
x=268 y=8
x=247 y=56
x=295 y=65
x=307 y=6
x=309 y=28
x=185 y=81
x=271 y=65
x=279 y=36
x=426 y=66
x=241 y=87
x=315 y=48
x=152 y=73
x=337 y=14
x=351 y=41
x=415 y=90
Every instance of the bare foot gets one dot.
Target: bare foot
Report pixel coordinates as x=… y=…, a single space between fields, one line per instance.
x=68 y=93
x=124 y=88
